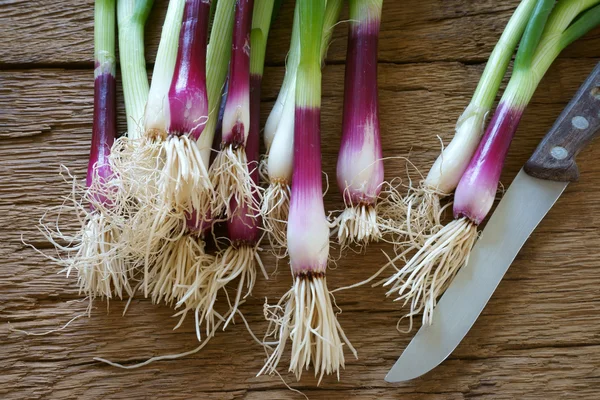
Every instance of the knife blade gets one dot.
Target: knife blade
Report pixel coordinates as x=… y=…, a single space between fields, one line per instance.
x=533 y=192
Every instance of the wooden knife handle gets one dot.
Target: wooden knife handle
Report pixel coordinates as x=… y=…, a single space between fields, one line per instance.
x=577 y=125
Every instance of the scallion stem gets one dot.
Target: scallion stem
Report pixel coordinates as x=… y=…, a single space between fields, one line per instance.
x=131 y=17
x=229 y=174
x=104 y=128
x=279 y=133
x=217 y=64
x=333 y=9
x=289 y=79
x=155 y=122
x=360 y=164
x=187 y=97
x=317 y=337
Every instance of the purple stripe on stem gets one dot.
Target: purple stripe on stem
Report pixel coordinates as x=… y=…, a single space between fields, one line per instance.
x=244 y=226
x=239 y=75
x=104 y=130
x=306 y=179
x=308 y=231
x=360 y=165
x=218 y=136
x=188 y=100
x=477 y=188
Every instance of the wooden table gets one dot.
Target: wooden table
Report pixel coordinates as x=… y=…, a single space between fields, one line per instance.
x=537 y=338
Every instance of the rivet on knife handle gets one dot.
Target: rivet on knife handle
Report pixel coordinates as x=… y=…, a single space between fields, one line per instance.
x=577 y=125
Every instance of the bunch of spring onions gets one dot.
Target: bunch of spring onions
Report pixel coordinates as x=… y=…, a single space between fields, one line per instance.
x=419 y=213
x=175 y=258
x=165 y=166
x=99 y=251
x=240 y=259
x=428 y=273
x=360 y=163
x=151 y=198
x=305 y=314
x=170 y=246
x=279 y=132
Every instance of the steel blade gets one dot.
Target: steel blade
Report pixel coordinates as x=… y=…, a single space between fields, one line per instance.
x=521 y=209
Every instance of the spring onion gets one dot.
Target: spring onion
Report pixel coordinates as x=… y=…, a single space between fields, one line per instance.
x=230 y=172
x=165 y=166
x=308 y=319
x=419 y=212
x=240 y=259
x=176 y=263
x=279 y=132
x=360 y=163
x=425 y=277
x=97 y=277
x=98 y=251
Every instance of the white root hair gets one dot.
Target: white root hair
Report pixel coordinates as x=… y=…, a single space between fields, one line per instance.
x=156 y=358
x=168 y=172
x=305 y=315
x=230 y=177
x=175 y=269
x=413 y=217
x=359 y=225
x=236 y=262
x=275 y=208
x=96 y=251
x=184 y=181
x=137 y=165
x=426 y=276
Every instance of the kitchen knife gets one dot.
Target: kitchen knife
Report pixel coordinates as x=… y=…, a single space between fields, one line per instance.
x=533 y=192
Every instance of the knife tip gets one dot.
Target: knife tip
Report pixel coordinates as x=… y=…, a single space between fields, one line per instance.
x=398 y=374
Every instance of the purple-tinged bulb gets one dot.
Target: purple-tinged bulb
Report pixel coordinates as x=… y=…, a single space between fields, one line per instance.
x=477 y=188
x=187 y=110
x=244 y=225
x=308 y=230
x=198 y=225
x=236 y=117
x=104 y=127
x=360 y=165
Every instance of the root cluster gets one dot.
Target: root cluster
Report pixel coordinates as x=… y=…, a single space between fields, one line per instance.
x=305 y=316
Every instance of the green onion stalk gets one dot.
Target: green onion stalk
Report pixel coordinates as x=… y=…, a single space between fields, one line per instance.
x=279 y=134
x=188 y=267
x=360 y=172
x=429 y=272
x=417 y=215
x=165 y=167
x=229 y=173
x=99 y=251
x=240 y=260
x=174 y=271
x=305 y=314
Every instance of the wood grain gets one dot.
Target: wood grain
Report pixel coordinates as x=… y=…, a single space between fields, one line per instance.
x=537 y=338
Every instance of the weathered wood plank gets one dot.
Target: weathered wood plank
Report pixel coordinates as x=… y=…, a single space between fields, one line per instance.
x=61 y=33
x=537 y=338
x=531 y=315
